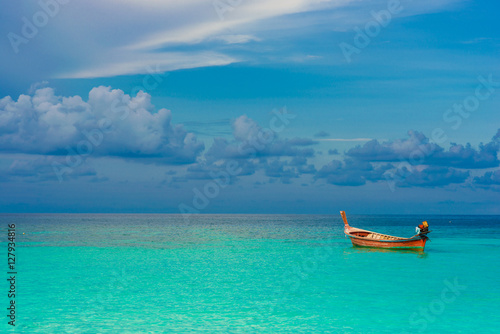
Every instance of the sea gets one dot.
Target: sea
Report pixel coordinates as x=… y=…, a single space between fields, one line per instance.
x=163 y=273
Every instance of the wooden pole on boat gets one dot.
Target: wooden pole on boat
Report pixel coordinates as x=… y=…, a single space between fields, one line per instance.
x=344 y=218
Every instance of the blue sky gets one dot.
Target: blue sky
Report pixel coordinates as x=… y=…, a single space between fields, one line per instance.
x=250 y=106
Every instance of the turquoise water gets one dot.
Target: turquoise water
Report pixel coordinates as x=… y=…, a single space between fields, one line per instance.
x=250 y=274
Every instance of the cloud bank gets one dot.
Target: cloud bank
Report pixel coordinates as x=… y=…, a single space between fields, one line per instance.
x=418 y=150
x=108 y=123
x=250 y=141
x=413 y=162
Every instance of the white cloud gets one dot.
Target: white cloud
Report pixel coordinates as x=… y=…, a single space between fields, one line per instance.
x=211 y=23
x=199 y=23
x=250 y=140
x=109 y=123
x=110 y=38
x=160 y=62
x=237 y=39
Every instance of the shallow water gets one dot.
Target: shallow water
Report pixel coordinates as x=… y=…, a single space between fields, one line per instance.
x=250 y=274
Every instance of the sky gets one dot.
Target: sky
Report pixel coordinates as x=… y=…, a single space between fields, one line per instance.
x=250 y=106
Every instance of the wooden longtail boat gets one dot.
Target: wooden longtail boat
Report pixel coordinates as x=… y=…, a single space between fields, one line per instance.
x=364 y=238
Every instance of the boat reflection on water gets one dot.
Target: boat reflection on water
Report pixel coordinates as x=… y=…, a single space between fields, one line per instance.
x=359 y=250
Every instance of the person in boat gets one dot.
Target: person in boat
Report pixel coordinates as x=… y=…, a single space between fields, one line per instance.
x=422 y=228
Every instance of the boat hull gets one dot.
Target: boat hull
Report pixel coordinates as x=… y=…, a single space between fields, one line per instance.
x=418 y=244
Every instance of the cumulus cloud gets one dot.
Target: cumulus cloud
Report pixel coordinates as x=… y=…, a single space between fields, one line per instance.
x=231 y=170
x=250 y=140
x=280 y=169
x=433 y=177
x=491 y=178
x=418 y=150
x=321 y=134
x=351 y=172
x=460 y=156
x=41 y=169
x=284 y=170
x=253 y=148
x=302 y=165
x=413 y=162
x=109 y=123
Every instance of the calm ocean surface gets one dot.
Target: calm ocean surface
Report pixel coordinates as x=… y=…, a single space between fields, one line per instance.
x=91 y=273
